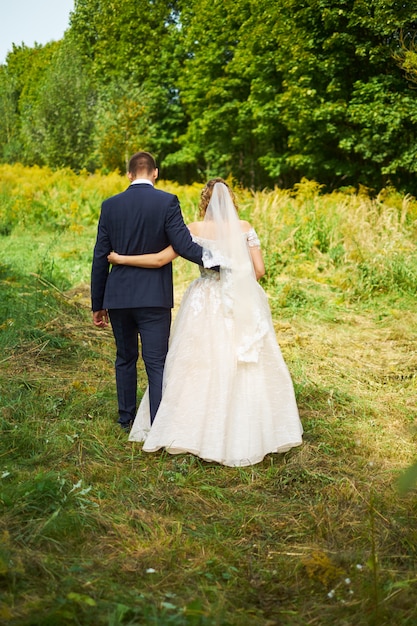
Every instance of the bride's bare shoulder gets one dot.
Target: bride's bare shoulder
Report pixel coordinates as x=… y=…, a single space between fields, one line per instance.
x=245 y=226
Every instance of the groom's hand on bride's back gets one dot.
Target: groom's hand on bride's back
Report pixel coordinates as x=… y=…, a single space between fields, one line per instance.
x=100 y=318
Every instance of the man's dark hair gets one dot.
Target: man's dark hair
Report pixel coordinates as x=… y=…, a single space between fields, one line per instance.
x=141 y=162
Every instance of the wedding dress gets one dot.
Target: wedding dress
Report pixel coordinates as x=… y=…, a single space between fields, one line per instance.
x=227 y=393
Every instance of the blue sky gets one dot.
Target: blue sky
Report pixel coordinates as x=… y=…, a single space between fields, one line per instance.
x=28 y=21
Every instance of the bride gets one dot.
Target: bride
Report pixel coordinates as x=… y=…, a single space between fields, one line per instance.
x=227 y=392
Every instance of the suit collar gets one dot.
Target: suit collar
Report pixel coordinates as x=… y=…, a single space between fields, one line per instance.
x=141 y=181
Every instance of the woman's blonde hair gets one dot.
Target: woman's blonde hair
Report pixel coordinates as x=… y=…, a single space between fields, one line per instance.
x=206 y=195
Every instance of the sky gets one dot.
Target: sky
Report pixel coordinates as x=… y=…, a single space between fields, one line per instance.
x=30 y=21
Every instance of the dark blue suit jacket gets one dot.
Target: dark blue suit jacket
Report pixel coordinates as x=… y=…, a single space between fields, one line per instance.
x=140 y=220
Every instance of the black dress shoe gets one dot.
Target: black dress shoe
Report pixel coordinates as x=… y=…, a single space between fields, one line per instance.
x=127 y=426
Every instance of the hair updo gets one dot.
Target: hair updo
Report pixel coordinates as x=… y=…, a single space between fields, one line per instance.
x=207 y=191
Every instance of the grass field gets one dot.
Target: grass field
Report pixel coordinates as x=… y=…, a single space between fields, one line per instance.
x=94 y=532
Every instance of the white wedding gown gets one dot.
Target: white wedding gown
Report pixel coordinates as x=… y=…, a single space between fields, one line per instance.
x=214 y=405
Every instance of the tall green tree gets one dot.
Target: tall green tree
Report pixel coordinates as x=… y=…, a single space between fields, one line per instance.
x=217 y=139
x=122 y=124
x=21 y=79
x=63 y=116
x=9 y=117
x=130 y=49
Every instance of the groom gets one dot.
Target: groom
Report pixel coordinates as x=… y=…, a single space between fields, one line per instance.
x=137 y=300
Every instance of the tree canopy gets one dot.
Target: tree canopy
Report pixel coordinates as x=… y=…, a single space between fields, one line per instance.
x=264 y=92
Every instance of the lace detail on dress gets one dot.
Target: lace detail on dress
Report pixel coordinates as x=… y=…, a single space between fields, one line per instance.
x=252 y=239
x=203 y=289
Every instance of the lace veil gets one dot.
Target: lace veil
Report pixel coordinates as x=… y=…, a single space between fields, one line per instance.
x=242 y=297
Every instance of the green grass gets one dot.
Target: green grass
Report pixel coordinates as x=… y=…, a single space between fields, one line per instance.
x=95 y=532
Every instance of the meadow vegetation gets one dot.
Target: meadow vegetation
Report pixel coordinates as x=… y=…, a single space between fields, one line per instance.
x=95 y=532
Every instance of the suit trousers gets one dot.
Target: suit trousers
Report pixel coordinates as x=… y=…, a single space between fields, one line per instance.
x=153 y=325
